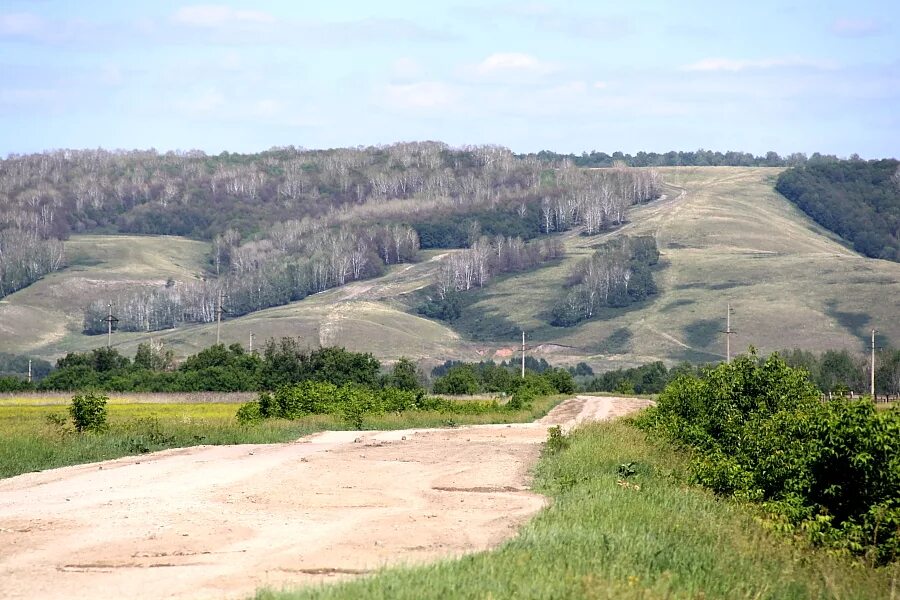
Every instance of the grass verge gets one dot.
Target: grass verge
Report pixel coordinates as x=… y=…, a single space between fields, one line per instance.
x=34 y=438
x=647 y=535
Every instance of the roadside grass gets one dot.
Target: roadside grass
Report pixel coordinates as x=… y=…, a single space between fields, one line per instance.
x=38 y=437
x=647 y=535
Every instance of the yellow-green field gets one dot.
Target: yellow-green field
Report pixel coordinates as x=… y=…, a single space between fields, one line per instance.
x=39 y=435
x=62 y=398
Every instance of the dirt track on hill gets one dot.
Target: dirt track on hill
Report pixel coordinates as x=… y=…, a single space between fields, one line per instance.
x=221 y=521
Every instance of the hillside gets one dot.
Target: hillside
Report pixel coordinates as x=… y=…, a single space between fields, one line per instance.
x=725 y=236
x=46 y=317
x=729 y=238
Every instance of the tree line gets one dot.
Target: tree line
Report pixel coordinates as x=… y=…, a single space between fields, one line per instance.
x=291 y=263
x=858 y=200
x=840 y=371
x=223 y=368
x=690 y=158
x=616 y=275
x=25 y=257
x=474 y=268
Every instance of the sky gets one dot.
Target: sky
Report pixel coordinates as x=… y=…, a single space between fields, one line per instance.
x=568 y=76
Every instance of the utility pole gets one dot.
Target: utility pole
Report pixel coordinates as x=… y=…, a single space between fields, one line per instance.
x=219 y=310
x=110 y=319
x=728 y=333
x=872 y=387
x=523 y=355
x=29 y=370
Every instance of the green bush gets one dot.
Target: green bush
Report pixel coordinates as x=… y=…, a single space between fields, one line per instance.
x=88 y=412
x=459 y=380
x=249 y=413
x=350 y=402
x=10 y=383
x=760 y=433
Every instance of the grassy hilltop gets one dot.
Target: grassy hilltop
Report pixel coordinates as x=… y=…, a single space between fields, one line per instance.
x=725 y=236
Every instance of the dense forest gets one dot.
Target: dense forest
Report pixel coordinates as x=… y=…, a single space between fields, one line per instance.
x=618 y=274
x=201 y=196
x=858 y=200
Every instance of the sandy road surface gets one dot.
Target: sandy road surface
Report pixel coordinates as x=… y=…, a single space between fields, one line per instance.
x=220 y=521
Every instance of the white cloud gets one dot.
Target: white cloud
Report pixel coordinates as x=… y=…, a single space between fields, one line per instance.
x=733 y=65
x=267 y=108
x=205 y=102
x=21 y=24
x=406 y=69
x=503 y=63
x=216 y=15
x=423 y=95
x=600 y=85
x=855 y=27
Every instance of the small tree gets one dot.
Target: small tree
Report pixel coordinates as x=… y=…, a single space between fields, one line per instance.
x=403 y=376
x=88 y=411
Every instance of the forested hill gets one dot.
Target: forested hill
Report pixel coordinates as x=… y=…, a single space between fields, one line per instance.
x=198 y=195
x=858 y=200
x=288 y=222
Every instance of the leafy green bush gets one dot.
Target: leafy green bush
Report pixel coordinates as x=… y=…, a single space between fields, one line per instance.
x=249 y=413
x=10 y=383
x=459 y=380
x=88 y=411
x=760 y=433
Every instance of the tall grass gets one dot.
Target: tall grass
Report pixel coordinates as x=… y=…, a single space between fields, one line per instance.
x=33 y=438
x=646 y=535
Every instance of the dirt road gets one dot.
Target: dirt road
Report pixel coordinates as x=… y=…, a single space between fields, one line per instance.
x=221 y=521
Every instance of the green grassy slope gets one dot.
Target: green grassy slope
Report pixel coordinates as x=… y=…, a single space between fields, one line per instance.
x=46 y=318
x=729 y=237
x=724 y=233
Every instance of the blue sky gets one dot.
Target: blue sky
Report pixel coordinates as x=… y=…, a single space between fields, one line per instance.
x=567 y=76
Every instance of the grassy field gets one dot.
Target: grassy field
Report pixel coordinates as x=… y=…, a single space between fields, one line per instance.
x=650 y=535
x=38 y=436
x=728 y=238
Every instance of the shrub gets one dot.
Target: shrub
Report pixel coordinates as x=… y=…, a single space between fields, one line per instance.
x=556 y=440
x=88 y=412
x=759 y=432
x=249 y=413
x=9 y=383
